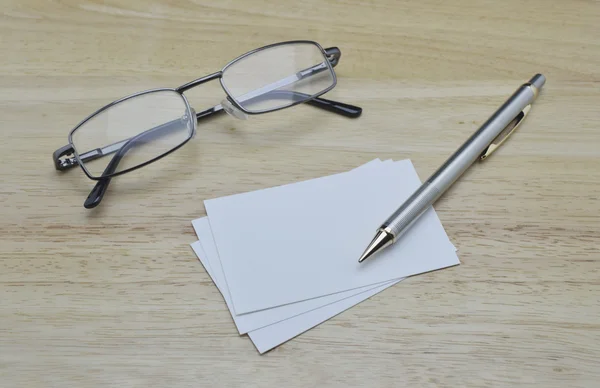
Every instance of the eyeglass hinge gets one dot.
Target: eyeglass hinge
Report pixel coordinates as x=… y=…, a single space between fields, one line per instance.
x=64 y=158
x=333 y=55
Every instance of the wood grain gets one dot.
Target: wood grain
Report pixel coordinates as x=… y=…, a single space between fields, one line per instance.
x=115 y=296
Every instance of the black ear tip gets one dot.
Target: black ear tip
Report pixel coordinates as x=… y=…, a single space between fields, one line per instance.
x=91 y=202
x=351 y=111
x=96 y=194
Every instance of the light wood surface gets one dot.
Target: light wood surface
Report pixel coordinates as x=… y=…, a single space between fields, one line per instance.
x=115 y=296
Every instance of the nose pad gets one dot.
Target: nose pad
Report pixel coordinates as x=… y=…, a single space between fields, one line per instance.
x=232 y=110
x=193 y=123
x=190 y=122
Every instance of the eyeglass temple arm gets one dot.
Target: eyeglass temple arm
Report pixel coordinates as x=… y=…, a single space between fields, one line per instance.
x=337 y=107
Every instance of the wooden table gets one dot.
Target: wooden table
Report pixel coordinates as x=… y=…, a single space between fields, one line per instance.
x=115 y=297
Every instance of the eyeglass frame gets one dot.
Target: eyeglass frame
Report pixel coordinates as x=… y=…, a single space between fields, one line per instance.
x=331 y=54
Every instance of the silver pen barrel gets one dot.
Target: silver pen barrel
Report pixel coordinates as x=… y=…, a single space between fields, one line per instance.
x=460 y=161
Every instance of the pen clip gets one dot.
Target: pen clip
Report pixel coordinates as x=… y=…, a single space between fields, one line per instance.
x=506 y=132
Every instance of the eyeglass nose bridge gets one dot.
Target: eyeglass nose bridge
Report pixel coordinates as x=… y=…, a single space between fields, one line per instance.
x=232 y=110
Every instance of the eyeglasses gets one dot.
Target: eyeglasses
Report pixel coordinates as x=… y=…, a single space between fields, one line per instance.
x=142 y=128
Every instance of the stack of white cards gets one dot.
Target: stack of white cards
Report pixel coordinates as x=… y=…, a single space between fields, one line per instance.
x=285 y=259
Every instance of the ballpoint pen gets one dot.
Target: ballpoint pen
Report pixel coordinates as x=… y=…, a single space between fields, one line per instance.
x=479 y=146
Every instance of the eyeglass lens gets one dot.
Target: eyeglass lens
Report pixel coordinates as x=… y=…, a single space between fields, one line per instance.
x=137 y=129
x=278 y=76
